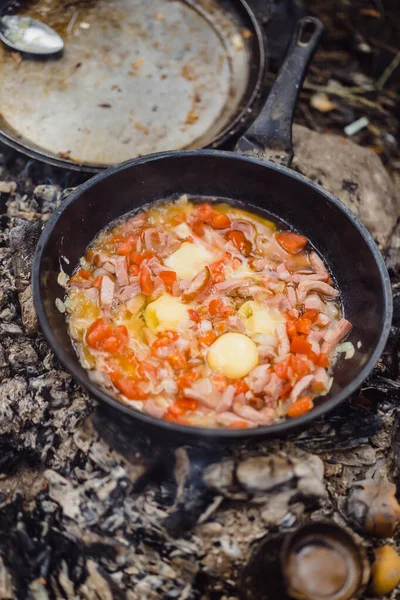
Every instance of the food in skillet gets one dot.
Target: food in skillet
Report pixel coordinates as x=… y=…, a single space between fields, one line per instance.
x=207 y=315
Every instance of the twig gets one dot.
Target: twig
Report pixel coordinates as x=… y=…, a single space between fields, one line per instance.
x=343 y=93
x=72 y=21
x=383 y=45
x=387 y=72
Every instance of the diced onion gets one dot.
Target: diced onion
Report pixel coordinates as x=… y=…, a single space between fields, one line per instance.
x=62 y=279
x=205 y=325
x=347 y=348
x=60 y=305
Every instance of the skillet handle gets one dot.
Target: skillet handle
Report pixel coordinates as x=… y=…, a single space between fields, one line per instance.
x=270 y=136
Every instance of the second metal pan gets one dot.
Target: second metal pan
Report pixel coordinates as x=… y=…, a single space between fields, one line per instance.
x=135 y=78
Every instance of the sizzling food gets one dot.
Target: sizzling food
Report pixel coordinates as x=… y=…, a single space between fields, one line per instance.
x=206 y=315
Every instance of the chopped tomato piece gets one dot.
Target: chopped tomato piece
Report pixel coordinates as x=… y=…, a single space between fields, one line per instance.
x=317 y=387
x=186 y=404
x=312 y=314
x=84 y=274
x=220 y=221
x=322 y=360
x=291 y=242
x=208 y=338
x=220 y=382
x=146 y=282
x=187 y=379
x=241 y=386
x=219 y=308
x=299 y=365
x=102 y=335
x=111 y=344
x=303 y=325
x=218 y=265
x=177 y=360
x=285 y=391
x=300 y=345
x=194 y=315
x=300 y=407
x=165 y=339
x=168 y=277
x=98 y=332
x=204 y=212
x=240 y=241
x=291 y=329
x=136 y=258
x=198 y=228
x=239 y=425
x=147 y=370
x=281 y=369
x=129 y=388
x=218 y=278
x=124 y=248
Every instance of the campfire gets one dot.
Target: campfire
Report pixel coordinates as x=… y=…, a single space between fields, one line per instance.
x=91 y=508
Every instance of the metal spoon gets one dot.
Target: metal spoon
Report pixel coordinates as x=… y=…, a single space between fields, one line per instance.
x=28 y=35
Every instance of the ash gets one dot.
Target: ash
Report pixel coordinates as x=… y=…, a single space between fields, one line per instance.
x=89 y=511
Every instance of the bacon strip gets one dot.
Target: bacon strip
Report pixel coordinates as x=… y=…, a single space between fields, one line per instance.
x=300 y=387
x=317 y=286
x=335 y=335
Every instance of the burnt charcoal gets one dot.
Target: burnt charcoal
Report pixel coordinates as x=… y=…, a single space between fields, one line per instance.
x=392 y=258
x=396 y=308
x=264 y=566
x=11 y=455
x=395 y=446
x=193 y=497
x=383 y=391
x=348 y=427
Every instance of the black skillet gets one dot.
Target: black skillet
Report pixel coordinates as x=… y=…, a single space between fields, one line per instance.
x=354 y=260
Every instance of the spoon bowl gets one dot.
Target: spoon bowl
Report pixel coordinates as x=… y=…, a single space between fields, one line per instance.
x=29 y=36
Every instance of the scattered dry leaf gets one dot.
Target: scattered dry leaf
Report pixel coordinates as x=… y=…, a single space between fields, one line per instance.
x=370 y=12
x=321 y=102
x=385 y=572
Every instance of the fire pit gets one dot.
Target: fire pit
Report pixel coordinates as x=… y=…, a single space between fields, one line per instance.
x=87 y=511
x=84 y=508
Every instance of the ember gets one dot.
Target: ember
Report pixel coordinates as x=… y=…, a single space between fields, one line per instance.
x=90 y=508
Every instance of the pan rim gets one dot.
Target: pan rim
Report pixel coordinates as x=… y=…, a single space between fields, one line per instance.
x=243 y=116
x=274 y=430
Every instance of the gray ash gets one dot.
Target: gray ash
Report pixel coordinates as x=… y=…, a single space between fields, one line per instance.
x=88 y=510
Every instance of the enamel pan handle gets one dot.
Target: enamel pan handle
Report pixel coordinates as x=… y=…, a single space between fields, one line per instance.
x=270 y=136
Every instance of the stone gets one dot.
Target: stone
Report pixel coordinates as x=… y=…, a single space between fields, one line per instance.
x=22 y=355
x=7 y=187
x=47 y=194
x=353 y=174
